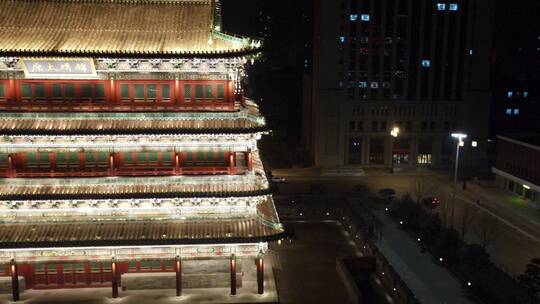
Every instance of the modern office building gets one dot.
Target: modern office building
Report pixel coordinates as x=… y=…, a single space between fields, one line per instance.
x=518 y=165
x=128 y=151
x=516 y=69
x=420 y=65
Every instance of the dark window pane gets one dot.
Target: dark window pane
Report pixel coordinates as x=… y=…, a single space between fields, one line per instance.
x=99 y=91
x=1 y=90
x=86 y=90
x=57 y=90
x=26 y=90
x=220 y=91
x=165 y=91
x=151 y=91
x=69 y=91
x=139 y=91
x=124 y=91
x=208 y=94
x=187 y=91
x=199 y=91
x=40 y=90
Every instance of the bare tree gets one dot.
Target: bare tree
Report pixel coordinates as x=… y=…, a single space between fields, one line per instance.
x=448 y=207
x=467 y=217
x=423 y=188
x=488 y=227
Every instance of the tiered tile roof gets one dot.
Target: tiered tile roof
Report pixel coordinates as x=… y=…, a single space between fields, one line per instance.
x=138 y=233
x=130 y=123
x=120 y=28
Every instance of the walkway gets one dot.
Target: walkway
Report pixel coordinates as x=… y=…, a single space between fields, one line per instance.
x=430 y=283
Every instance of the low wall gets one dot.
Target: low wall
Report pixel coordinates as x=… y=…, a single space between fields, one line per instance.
x=167 y=280
x=350 y=285
x=195 y=274
x=5 y=285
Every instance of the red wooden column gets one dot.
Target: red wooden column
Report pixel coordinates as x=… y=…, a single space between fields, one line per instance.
x=11 y=90
x=231 y=163
x=178 y=276
x=177 y=170
x=114 y=278
x=249 y=160
x=111 y=165
x=177 y=95
x=230 y=91
x=60 y=279
x=15 y=281
x=10 y=165
x=233 y=275
x=260 y=274
x=113 y=98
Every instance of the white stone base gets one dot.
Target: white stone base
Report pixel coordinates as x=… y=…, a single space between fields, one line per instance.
x=167 y=280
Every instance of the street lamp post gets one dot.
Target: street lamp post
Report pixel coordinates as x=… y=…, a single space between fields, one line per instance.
x=460 y=137
x=394 y=133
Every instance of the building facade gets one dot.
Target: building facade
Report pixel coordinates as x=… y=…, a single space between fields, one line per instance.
x=128 y=147
x=518 y=165
x=516 y=69
x=421 y=66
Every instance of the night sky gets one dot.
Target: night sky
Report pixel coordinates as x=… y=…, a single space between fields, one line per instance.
x=286 y=27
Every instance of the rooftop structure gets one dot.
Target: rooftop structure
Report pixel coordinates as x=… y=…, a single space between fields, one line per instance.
x=127 y=146
x=518 y=165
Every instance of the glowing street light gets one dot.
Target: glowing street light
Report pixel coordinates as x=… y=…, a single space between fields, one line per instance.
x=394 y=133
x=460 y=143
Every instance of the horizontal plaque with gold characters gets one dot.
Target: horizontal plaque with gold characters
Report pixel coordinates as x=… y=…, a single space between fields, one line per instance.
x=59 y=68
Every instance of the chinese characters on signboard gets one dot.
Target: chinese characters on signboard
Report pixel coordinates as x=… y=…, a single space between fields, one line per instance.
x=58 y=68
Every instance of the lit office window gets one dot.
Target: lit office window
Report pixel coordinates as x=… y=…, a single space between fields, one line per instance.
x=365 y=17
x=508 y=111
x=362 y=84
x=470 y=52
x=441 y=6
x=453 y=6
x=426 y=63
x=354 y=17
x=510 y=94
x=342 y=39
x=516 y=111
x=525 y=94
x=423 y=159
x=374 y=85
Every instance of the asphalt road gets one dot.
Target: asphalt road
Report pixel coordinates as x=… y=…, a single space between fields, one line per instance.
x=512 y=238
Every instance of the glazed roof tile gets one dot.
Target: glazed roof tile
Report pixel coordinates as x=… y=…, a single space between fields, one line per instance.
x=133 y=187
x=113 y=28
x=132 y=123
x=136 y=234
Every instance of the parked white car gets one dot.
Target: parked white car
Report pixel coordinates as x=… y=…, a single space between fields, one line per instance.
x=277 y=179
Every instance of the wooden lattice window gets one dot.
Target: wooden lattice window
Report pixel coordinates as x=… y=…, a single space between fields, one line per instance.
x=220 y=91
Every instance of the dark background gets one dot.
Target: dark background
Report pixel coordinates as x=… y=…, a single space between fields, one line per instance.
x=275 y=81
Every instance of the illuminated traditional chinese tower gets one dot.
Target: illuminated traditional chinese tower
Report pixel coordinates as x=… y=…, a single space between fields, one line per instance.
x=128 y=146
